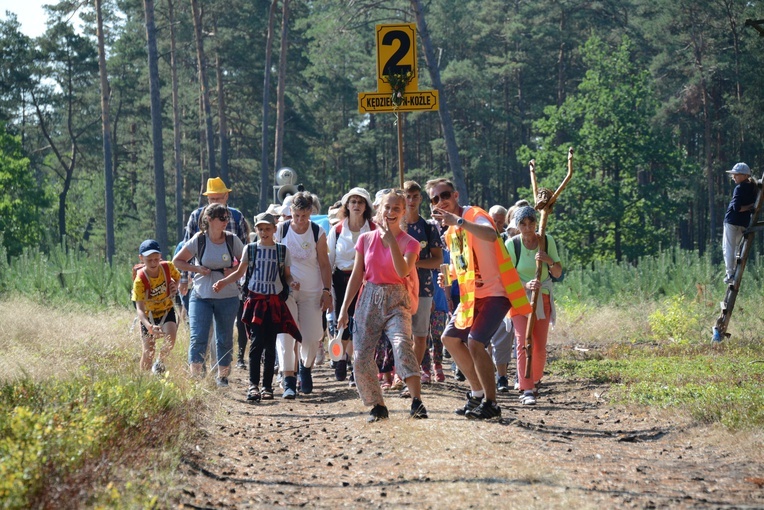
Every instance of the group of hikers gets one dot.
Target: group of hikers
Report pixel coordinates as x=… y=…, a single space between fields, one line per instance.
x=399 y=291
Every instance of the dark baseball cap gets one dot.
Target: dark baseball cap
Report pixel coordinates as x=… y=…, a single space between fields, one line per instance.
x=148 y=247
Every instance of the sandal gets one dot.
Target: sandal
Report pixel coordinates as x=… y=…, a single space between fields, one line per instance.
x=253 y=394
x=385 y=386
x=267 y=393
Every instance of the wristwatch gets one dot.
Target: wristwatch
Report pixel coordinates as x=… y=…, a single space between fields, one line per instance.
x=460 y=222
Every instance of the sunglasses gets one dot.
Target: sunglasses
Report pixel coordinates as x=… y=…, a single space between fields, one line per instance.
x=445 y=195
x=387 y=191
x=222 y=218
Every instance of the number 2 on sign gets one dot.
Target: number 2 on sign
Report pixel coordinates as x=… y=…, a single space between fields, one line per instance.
x=392 y=66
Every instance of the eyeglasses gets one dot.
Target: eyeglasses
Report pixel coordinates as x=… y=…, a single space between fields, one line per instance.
x=444 y=195
x=356 y=202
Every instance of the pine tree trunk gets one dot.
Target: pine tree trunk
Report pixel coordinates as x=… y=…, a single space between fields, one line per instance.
x=279 y=156
x=265 y=188
x=176 y=127
x=222 y=121
x=205 y=91
x=108 y=170
x=445 y=117
x=160 y=207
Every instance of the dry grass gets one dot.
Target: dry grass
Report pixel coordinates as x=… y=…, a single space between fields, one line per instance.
x=41 y=342
x=601 y=325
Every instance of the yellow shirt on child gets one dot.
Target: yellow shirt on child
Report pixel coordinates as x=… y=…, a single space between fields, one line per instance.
x=158 y=302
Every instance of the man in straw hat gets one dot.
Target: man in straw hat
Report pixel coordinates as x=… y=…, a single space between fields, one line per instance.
x=217 y=193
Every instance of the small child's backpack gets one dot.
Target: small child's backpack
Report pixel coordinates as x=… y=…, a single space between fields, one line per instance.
x=252 y=257
x=139 y=270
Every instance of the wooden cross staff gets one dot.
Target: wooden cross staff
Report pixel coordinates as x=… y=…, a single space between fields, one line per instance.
x=545 y=201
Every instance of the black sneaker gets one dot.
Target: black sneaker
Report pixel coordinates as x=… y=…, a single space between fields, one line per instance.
x=502 y=384
x=487 y=410
x=341 y=370
x=459 y=376
x=472 y=403
x=241 y=364
x=418 y=410
x=378 y=412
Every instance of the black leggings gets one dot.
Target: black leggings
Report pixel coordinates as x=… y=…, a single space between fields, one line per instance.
x=340 y=281
x=263 y=339
x=241 y=332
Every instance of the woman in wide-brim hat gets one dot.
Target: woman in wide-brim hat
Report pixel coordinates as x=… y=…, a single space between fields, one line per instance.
x=355 y=219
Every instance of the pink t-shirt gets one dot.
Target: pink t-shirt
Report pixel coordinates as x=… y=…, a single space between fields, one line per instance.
x=377 y=259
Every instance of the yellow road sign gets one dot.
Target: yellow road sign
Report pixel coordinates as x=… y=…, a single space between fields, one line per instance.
x=382 y=102
x=396 y=54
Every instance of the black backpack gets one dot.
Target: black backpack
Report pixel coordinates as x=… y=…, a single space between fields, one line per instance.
x=202 y=244
x=252 y=257
x=516 y=242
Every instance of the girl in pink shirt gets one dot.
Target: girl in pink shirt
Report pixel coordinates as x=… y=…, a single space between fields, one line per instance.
x=385 y=258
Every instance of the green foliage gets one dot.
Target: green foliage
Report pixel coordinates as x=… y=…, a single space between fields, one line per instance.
x=668 y=272
x=721 y=385
x=625 y=168
x=675 y=320
x=65 y=276
x=21 y=200
x=50 y=429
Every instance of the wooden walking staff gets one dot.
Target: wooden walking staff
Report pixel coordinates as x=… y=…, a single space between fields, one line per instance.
x=545 y=201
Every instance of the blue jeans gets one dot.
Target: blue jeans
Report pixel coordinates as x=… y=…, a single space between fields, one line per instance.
x=200 y=313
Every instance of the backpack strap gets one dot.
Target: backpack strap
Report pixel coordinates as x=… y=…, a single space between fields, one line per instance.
x=315 y=228
x=251 y=258
x=516 y=242
x=165 y=267
x=201 y=245
x=281 y=257
x=313 y=225
x=229 y=244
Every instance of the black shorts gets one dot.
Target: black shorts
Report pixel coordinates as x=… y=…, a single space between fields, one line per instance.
x=170 y=318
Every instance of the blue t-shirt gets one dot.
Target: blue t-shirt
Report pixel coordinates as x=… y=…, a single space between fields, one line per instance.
x=744 y=194
x=428 y=237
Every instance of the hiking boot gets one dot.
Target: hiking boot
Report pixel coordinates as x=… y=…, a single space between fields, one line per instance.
x=378 y=412
x=222 y=382
x=472 y=403
x=306 y=379
x=241 y=364
x=341 y=370
x=418 y=410
x=290 y=388
x=502 y=384
x=158 y=368
x=487 y=410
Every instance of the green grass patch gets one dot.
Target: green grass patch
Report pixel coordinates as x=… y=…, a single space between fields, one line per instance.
x=714 y=384
x=53 y=430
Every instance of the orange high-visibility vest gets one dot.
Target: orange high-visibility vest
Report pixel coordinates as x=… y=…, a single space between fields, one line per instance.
x=460 y=243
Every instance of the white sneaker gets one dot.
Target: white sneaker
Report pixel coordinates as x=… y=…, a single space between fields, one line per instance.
x=528 y=399
x=158 y=368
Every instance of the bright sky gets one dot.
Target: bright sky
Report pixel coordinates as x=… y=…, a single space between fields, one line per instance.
x=29 y=13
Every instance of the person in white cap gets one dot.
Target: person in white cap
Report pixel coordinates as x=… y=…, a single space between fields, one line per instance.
x=737 y=217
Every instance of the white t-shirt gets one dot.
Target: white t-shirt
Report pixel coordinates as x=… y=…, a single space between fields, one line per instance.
x=302 y=248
